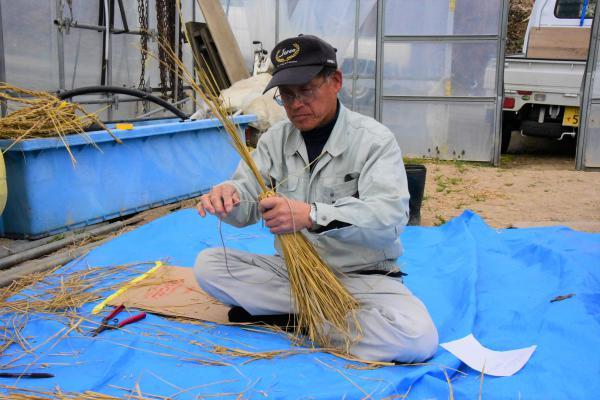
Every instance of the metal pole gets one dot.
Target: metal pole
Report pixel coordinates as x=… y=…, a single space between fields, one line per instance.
x=588 y=86
x=60 y=46
x=354 y=60
x=98 y=28
x=157 y=110
x=177 y=35
x=3 y=109
x=276 y=21
x=379 y=60
x=503 y=23
x=107 y=54
x=193 y=67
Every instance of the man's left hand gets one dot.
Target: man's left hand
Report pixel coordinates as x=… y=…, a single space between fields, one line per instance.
x=283 y=215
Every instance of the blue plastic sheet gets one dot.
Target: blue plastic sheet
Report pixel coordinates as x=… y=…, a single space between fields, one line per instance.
x=496 y=284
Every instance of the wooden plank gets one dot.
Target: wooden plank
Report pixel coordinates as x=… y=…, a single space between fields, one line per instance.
x=559 y=43
x=222 y=35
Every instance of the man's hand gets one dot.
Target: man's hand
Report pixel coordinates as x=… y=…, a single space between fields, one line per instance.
x=283 y=215
x=219 y=201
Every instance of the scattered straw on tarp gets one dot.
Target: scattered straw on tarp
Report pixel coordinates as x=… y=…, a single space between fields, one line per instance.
x=57 y=294
x=42 y=115
x=323 y=304
x=17 y=393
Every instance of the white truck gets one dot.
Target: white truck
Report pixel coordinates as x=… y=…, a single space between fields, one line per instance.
x=542 y=86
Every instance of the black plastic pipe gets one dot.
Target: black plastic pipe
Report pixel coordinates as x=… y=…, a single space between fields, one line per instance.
x=126 y=91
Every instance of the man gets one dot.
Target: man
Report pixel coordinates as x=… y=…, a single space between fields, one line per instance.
x=342 y=183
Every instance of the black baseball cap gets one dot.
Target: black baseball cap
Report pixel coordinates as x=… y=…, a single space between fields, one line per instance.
x=299 y=59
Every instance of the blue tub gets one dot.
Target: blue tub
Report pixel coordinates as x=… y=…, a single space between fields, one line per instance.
x=159 y=162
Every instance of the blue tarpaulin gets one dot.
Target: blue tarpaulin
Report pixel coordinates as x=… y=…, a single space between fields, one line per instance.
x=496 y=284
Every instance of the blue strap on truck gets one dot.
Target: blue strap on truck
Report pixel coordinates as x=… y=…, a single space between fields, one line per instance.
x=583 y=12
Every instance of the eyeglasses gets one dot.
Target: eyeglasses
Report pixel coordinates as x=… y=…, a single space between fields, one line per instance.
x=303 y=96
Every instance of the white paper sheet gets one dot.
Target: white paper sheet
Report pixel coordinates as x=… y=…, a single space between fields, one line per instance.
x=496 y=363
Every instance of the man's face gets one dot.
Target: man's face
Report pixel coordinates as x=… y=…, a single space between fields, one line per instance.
x=319 y=101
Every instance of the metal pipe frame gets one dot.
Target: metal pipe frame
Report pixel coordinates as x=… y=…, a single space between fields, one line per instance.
x=503 y=24
x=355 y=57
x=379 y=60
x=108 y=20
x=60 y=47
x=67 y=24
x=157 y=110
x=588 y=97
x=438 y=99
x=440 y=38
x=277 y=21
x=3 y=108
x=110 y=99
x=177 y=35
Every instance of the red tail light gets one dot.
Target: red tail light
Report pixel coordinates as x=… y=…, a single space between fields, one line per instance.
x=509 y=102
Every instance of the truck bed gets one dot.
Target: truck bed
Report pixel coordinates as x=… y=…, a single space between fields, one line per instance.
x=561 y=80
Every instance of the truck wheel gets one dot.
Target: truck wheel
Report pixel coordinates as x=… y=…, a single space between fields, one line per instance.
x=506 y=135
x=510 y=122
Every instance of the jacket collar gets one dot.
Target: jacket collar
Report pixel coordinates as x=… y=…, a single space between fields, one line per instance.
x=336 y=144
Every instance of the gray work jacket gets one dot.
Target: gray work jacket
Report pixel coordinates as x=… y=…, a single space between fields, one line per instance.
x=359 y=179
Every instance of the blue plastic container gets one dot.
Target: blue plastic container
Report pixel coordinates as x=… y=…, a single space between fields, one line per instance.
x=159 y=162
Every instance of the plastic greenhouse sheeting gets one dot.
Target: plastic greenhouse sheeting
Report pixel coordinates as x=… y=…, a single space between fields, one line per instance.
x=496 y=284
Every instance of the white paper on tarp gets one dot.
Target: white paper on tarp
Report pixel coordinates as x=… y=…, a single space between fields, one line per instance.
x=496 y=363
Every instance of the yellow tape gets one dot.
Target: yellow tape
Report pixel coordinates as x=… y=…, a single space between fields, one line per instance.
x=448 y=87
x=125 y=126
x=129 y=284
x=452 y=5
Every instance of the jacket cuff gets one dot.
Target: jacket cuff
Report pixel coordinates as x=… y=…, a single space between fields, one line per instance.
x=325 y=213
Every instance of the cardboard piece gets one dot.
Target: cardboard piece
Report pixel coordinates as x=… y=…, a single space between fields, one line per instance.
x=174 y=292
x=559 y=43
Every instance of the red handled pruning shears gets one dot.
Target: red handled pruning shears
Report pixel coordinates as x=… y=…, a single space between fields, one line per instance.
x=109 y=323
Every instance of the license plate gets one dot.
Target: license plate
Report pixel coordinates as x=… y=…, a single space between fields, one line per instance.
x=571 y=116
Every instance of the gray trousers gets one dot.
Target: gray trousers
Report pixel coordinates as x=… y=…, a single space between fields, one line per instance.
x=395 y=324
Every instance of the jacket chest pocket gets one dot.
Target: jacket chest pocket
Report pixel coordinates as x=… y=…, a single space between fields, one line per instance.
x=330 y=193
x=289 y=187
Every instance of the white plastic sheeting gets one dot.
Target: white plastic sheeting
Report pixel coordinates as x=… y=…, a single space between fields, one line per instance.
x=251 y=20
x=334 y=20
x=32 y=54
x=440 y=82
x=442 y=17
x=30 y=49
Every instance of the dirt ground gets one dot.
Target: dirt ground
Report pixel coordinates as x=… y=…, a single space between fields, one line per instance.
x=535 y=185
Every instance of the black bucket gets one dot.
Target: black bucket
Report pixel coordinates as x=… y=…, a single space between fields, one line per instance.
x=415 y=174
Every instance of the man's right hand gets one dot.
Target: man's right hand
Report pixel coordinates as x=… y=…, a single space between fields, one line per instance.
x=219 y=201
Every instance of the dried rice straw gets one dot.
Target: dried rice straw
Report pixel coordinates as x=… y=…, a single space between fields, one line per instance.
x=43 y=115
x=17 y=393
x=52 y=295
x=323 y=304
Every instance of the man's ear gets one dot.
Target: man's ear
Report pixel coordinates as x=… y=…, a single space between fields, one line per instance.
x=337 y=80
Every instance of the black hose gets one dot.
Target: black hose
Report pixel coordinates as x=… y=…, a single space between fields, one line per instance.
x=123 y=90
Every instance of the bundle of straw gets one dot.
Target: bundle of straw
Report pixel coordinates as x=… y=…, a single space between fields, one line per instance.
x=41 y=114
x=324 y=305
